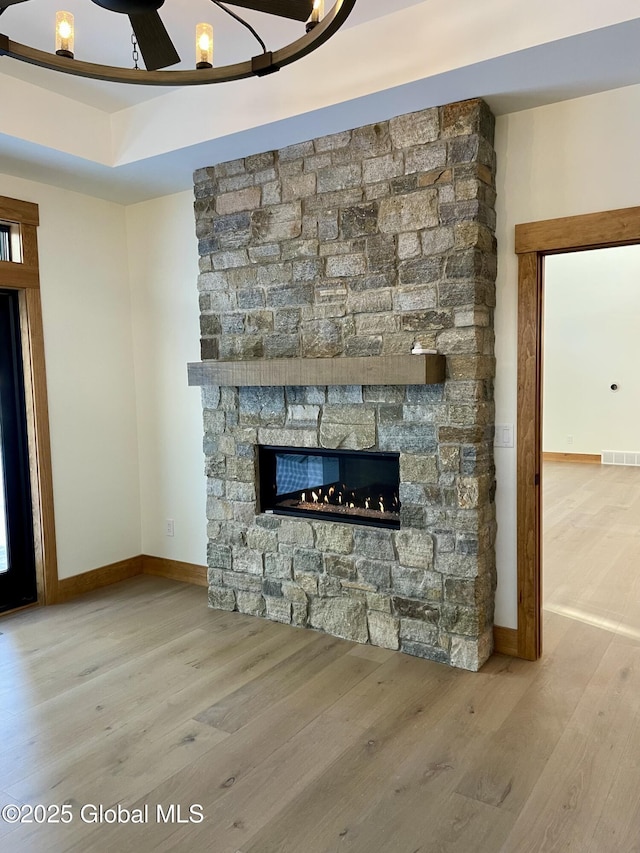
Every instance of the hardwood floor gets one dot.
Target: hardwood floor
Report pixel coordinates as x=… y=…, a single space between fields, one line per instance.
x=591 y=553
x=296 y=742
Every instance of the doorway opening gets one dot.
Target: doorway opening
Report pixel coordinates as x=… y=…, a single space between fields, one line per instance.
x=591 y=411
x=534 y=242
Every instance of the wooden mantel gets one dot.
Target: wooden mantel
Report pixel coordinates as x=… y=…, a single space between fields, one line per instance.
x=425 y=369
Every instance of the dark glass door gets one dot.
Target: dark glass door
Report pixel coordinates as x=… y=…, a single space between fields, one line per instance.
x=17 y=558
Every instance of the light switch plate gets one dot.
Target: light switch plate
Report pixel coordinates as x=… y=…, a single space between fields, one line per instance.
x=503 y=435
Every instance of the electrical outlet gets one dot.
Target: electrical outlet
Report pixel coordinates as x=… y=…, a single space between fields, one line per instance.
x=503 y=435
x=170 y=527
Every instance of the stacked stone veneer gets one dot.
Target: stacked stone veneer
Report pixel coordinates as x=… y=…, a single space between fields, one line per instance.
x=358 y=243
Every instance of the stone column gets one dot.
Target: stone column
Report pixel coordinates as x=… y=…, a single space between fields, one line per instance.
x=358 y=243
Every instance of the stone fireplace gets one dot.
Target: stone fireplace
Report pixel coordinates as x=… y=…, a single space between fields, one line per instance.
x=354 y=246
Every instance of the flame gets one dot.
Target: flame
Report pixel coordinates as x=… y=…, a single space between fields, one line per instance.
x=327 y=496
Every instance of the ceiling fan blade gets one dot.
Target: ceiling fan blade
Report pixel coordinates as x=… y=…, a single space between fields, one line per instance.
x=298 y=10
x=153 y=40
x=6 y=3
x=130 y=7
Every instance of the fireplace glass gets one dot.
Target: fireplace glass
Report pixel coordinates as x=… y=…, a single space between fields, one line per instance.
x=340 y=485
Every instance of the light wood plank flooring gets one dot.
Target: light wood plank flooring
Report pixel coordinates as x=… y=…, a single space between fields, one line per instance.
x=591 y=553
x=296 y=742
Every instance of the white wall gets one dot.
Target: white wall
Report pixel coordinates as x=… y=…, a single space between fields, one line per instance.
x=126 y=432
x=565 y=159
x=89 y=362
x=163 y=262
x=591 y=341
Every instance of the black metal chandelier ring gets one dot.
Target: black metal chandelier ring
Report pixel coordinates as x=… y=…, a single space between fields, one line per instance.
x=260 y=65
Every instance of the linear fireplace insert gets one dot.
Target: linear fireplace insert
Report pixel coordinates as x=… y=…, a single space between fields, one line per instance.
x=357 y=487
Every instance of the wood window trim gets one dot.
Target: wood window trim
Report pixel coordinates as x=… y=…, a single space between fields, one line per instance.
x=24 y=277
x=533 y=241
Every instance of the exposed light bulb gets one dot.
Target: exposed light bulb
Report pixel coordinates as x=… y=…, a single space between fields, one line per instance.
x=204 y=46
x=317 y=14
x=65 y=34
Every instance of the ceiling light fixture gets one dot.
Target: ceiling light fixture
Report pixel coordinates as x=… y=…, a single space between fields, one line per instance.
x=204 y=46
x=158 y=50
x=64 y=34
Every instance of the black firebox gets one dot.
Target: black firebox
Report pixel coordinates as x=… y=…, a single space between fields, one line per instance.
x=358 y=487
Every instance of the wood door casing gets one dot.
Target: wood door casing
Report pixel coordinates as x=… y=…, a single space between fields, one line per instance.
x=23 y=276
x=533 y=241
